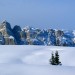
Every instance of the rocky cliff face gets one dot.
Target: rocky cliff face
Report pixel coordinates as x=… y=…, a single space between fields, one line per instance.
x=34 y=36
x=6 y=31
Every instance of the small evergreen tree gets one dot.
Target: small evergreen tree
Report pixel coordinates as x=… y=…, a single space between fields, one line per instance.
x=52 y=60
x=57 y=62
x=55 y=59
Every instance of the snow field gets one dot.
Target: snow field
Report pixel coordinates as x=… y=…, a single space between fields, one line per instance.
x=34 y=60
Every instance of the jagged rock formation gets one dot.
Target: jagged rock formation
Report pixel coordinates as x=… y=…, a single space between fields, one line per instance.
x=6 y=31
x=34 y=36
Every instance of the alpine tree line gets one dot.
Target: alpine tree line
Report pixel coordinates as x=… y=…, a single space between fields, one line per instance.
x=55 y=59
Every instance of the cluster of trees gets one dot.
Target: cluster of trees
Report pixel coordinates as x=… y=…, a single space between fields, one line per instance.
x=55 y=59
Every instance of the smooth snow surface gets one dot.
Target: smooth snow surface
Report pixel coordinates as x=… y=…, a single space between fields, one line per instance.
x=34 y=60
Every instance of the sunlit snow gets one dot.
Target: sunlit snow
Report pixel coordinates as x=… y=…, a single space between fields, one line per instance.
x=34 y=60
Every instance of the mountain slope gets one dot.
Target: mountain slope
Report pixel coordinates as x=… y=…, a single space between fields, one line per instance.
x=35 y=36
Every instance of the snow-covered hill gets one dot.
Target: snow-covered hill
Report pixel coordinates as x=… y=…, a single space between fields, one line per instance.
x=34 y=60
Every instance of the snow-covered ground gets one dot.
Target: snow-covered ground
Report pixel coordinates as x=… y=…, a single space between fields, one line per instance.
x=34 y=60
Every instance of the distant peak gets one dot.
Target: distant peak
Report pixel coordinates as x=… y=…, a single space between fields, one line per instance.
x=4 y=21
x=5 y=24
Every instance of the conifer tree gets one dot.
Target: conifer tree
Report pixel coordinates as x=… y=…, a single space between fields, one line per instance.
x=55 y=59
x=52 y=60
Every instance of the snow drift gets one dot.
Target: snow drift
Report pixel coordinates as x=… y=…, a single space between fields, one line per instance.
x=34 y=60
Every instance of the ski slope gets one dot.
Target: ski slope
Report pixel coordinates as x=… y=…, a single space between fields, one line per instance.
x=34 y=60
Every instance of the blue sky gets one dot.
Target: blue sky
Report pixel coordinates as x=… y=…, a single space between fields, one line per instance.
x=57 y=14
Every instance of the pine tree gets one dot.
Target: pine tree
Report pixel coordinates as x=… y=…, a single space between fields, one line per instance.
x=52 y=60
x=55 y=59
x=57 y=62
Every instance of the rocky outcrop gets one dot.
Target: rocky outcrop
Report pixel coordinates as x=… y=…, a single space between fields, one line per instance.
x=34 y=36
x=6 y=31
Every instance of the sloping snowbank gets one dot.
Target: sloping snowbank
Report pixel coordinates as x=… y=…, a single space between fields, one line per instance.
x=34 y=60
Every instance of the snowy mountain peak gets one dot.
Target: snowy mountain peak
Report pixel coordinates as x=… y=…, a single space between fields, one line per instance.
x=35 y=36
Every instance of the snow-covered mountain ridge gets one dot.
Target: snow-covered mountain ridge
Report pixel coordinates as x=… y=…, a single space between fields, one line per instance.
x=34 y=36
